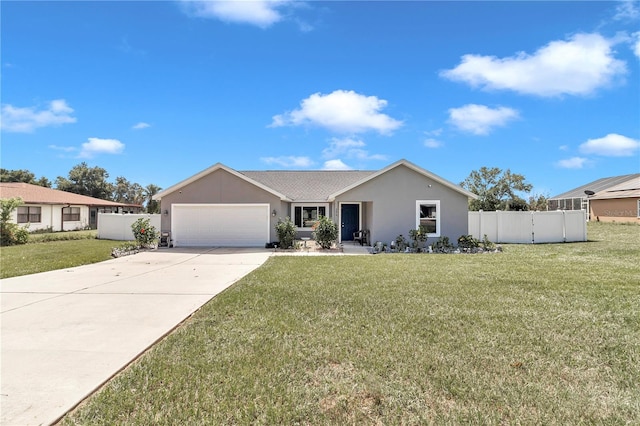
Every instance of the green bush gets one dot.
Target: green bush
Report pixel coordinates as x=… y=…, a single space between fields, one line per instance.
x=468 y=242
x=419 y=237
x=443 y=245
x=286 y=231
x=11 y=233
x=401 y=243
x=144 y=233
x=325 y=232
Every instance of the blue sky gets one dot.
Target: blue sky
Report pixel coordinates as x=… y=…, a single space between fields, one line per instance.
x=158 y=91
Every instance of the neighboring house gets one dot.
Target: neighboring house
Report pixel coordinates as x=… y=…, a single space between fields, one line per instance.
x=620 y=203
x=580 y=197
x=46 y=208
x=223 y=207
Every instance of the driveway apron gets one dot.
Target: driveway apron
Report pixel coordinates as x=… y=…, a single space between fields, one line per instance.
x=64 y=333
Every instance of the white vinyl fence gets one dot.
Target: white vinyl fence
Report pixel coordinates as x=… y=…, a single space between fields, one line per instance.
x=116 y=226
x=529 y=227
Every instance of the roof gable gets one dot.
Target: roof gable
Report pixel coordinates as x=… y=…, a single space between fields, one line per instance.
x=218 y=166
x=411 y=166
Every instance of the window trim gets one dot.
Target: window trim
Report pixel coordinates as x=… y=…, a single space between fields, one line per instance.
x=638 y=208
x=29 y=214
x=302 y=205
x=435 y=203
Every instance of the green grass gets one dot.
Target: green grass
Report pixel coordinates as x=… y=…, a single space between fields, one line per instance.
x=46 y=256
x=62 y=236
x=544 y=334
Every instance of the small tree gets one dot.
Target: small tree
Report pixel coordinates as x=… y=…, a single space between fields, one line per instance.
x=11 y=233
x=286 y=231
x=144 y=233
x=325 y=232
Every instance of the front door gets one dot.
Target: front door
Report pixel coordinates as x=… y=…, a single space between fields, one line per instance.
x=350 y=218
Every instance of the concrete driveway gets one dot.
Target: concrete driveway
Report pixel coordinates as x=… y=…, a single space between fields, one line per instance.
x=64 y=333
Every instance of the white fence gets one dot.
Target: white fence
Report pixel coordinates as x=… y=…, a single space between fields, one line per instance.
x=116 y=226
x=529 y=227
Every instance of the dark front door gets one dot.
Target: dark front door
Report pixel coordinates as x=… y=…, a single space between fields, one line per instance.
x=350 y=217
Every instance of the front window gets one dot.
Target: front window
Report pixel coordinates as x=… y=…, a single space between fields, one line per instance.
x=428 y=216
x=305 y=216
x=638 y=208
x=29 y=214
x=71 y=214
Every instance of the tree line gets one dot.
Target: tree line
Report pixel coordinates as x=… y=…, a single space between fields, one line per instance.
x=496 y=189
x=93 y=182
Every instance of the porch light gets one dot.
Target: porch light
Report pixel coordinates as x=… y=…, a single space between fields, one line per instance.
x=274 y=213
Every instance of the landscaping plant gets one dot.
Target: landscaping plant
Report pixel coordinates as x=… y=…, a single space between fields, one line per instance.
x=144 y=233
x=286 y=231
x=11 y=233
x=325 y=232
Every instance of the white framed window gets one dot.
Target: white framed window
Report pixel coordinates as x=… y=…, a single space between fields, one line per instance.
x=428 y=215
x=638 y=208
x=305 y=215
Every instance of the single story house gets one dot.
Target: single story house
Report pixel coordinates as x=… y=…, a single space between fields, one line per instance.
x=46 y=208
x=221 y=206
x=580 y=197
x=620 y=203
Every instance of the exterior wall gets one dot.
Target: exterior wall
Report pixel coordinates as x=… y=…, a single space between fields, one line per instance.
x=390 y=204
x=51 y=216
x=117 y=226
x=614 y=210
x=218 y=187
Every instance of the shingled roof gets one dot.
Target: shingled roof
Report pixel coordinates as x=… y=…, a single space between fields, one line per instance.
x=34 y=194
x=627 y=189
x=310 y=185
x=596 y=186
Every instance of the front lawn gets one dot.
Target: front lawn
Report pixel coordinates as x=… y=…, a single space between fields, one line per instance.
x=544 y=334
x=46 y=256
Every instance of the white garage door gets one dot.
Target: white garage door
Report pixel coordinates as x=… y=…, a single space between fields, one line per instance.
x=220 y=225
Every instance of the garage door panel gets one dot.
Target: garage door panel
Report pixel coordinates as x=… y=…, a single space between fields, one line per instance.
x=229 y=225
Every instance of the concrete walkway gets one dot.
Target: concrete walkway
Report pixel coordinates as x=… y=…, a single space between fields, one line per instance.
x=64 y=333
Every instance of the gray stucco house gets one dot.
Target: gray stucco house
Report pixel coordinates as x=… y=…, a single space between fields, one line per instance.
x=221 y=206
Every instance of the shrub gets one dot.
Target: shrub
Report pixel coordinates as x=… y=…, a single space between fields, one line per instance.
x=401 y=243
x=419 y=237
x=468 y=242
x=286 y=231
x=325 y=232
x=144 y=233
x=443 y=245
x=487 y=244
x=11 y=233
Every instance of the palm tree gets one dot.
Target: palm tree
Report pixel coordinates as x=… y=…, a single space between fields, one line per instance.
x=152 y=205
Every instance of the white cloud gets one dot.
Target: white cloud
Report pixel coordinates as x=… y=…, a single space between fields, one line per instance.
x=27 y=119
x=335 y=165
x=95 y=146
x=636 y=43
x=480 y=119
x=578 y=66
x=63 y=148
x=432 y=143
x=141 y=125
x=612 y=145
x=572 y=163
x=289 y=161
x=340 y=111
x=261 y=13
x=627 y=10
x=349 y=148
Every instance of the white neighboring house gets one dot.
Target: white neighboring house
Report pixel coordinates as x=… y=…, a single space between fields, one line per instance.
x=46 y=208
